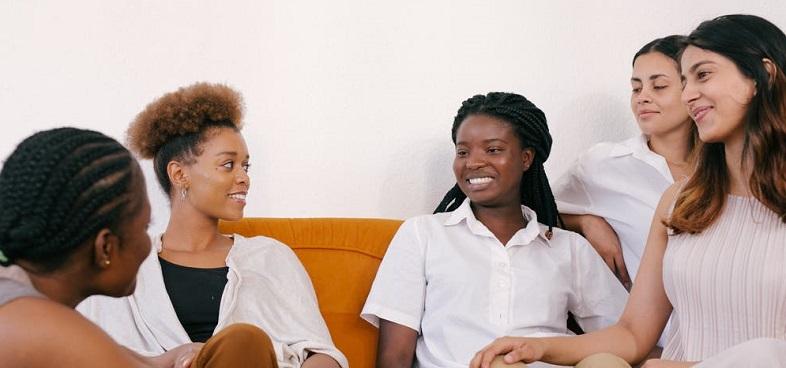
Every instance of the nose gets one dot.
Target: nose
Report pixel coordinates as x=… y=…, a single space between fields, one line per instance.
x=689 y=94
x=643 y=97
x=475 y=162
x=242 y=177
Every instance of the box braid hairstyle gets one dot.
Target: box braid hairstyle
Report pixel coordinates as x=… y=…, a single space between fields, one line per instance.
x=58 y=189
x=529 y=124
x=174 y=126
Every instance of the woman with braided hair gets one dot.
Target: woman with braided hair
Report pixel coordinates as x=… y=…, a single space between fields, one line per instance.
x=73 y=220
x=451 y=282
x=196 y=281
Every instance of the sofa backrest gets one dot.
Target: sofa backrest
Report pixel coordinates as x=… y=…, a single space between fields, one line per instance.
x=341 y=255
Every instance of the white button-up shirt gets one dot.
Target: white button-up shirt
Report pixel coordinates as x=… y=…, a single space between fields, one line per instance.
x=621 y=182
x=447 y=277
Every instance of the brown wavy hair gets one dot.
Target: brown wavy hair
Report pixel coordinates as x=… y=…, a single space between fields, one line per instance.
x=174 y=126
x=746 y=40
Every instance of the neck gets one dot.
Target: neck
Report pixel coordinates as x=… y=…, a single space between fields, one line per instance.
x=190 y=230
x=673 y=146
x=502 y=221
x=62 y=286
x=740 y=170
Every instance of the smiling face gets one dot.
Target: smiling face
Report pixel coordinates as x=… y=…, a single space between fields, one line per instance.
x=716 y=93
x=655 y=95
x=218 y=181
x=490 y=161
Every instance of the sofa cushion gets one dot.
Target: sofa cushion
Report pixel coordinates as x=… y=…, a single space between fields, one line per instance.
x=341 y=255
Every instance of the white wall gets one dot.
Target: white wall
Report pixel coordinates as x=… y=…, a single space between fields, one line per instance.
x=349 y=103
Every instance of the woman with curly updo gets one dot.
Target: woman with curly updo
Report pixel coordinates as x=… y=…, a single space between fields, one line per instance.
x=73 y=215
x=197 y=281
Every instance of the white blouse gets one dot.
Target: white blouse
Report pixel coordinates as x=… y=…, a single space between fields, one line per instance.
x=449 y=278
x=621 y=182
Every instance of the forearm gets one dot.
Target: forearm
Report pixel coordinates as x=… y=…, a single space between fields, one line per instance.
x=615 y=339
x=573 y=222
x=320 y=361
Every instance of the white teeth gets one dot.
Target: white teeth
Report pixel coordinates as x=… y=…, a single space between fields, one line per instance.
x=483 y=180
x=241 y=197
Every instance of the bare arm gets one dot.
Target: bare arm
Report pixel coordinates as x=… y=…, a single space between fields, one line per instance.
x=631 y=338
x=396 y=348
x=604 y=239
x=320 y=361
x=66 y=339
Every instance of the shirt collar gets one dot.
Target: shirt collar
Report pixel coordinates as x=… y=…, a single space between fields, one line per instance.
x=639 y=147
x=524 y=236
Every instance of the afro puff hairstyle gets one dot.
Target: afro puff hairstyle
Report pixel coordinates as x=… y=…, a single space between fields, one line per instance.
x=173 y=126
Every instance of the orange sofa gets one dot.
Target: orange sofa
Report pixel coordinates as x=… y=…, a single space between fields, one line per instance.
x=341 y=256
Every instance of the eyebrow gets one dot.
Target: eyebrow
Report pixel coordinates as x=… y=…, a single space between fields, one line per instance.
x=230 y=153
x=486 y=141
x=652 y=77
x=700 y=63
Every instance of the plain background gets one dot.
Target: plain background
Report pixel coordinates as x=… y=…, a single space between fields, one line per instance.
x=349 y=103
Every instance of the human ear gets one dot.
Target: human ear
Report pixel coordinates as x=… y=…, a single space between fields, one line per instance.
x=527 y=156
x=178 y=174
x=771 y=68
x=104 y=246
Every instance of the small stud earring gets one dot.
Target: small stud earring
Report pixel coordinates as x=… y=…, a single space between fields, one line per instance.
x=107 y=262
x=183 y=193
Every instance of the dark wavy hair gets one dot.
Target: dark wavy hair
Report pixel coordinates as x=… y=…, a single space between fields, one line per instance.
x=745 y=40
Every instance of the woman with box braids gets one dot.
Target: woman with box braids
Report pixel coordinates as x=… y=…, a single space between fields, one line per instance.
x=490 y=260
x=57 y=190
x=529 y=124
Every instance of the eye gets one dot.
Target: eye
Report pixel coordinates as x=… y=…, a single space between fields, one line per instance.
x=246 y=166
x=702 y=75
x=636 y=90
x=461 y=153
x=493 y=150
x=659 y=87
x=228 y=165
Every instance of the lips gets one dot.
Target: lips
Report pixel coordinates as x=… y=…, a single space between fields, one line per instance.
x=239 y=196
x=699 y=113
x=646 y=113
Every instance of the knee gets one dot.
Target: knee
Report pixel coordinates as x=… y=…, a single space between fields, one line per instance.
x=603 y=360
x=247 y=335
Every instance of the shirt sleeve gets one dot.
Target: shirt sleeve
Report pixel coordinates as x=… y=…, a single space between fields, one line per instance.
x=598 y=298
x=295 y=317
x=570 y=191
x=399 y=290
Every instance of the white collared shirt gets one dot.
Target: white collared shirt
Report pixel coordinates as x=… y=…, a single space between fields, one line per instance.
x=447 y=277
x=621 y=182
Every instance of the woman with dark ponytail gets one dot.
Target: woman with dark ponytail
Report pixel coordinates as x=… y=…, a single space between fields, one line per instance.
x=491 y=260
x=715 y=255
x=73 y=220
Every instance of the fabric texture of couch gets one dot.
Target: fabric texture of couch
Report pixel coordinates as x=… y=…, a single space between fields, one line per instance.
x=341 y=255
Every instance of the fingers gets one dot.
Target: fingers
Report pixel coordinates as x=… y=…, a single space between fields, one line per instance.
x=499 y=346
x=622 y=271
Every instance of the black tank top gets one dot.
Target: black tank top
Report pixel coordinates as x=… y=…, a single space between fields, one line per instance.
x=196 y=295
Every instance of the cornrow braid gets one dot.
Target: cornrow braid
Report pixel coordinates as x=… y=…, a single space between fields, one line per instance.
x=529 y=124
x=59 y=188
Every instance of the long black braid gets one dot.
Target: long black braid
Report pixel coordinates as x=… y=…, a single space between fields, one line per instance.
x=59 y=188
x=529 y=124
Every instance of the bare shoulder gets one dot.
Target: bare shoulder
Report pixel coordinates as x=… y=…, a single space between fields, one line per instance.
x=45 y=333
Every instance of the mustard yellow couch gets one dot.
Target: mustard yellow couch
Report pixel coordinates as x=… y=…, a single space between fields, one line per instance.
x=341 y=256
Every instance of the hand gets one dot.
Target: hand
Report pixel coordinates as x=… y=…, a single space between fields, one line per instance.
x=660 y=363
x=604 y=239
x=516 y=349
x=185 y=354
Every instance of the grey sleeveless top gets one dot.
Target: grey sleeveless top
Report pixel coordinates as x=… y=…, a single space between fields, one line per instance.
x=14 y=284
